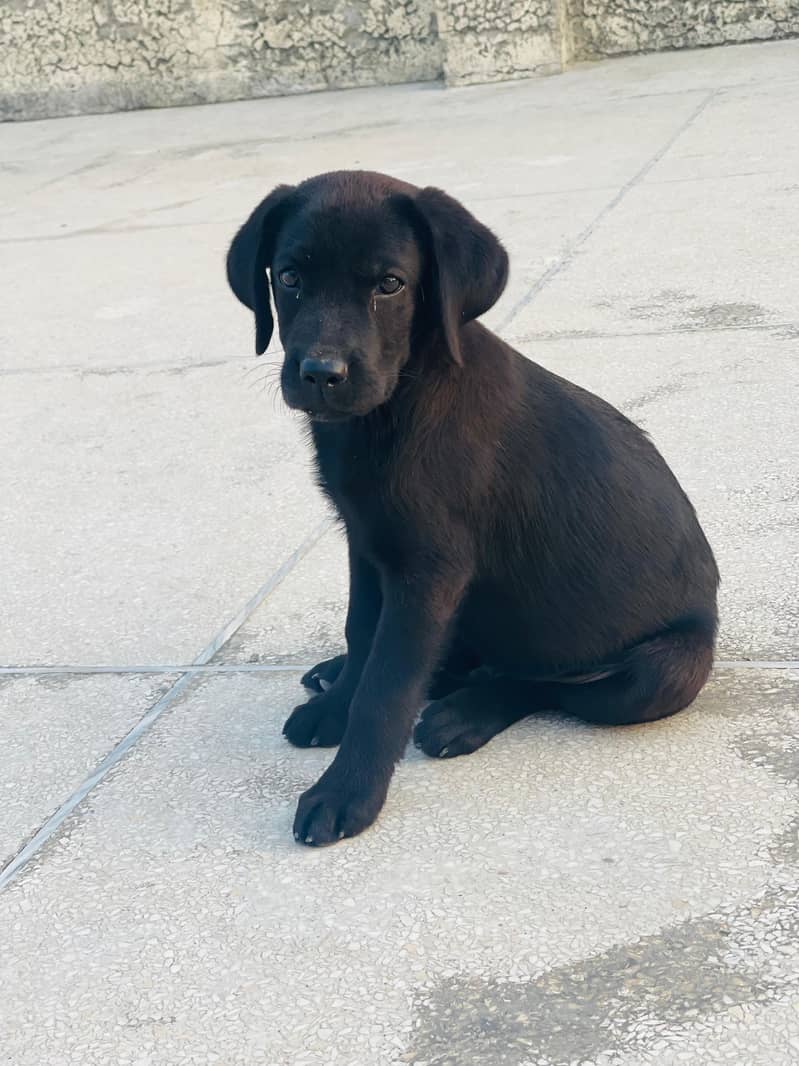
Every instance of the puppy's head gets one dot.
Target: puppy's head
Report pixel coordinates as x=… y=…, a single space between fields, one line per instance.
x=364 y=269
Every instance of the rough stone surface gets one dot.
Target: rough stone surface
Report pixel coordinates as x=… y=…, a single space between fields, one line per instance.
x=495 y=40
x=60 y=57
x=614 y=27
x=64 y=58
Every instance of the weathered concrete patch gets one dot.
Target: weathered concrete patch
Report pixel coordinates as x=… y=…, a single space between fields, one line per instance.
x=626 y=998
x=772 y=742
x=621 y=1000
x=681 y=311
x=715 y=315
x=656 y=393
x=764 y=705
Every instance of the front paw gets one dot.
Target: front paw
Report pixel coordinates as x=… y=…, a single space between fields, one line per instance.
x=320 y=677
x=319 y=722
x=330 y=810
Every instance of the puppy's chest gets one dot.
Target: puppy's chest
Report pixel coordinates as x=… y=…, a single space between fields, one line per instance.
x=356 y=479
x=372 y=492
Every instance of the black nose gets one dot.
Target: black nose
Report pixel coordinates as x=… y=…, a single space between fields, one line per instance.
x=328 y=372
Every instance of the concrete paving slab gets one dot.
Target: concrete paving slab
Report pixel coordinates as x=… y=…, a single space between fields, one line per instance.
x=182 y=924
x=708 y=151
x=141 y=510
x=152 y=298
x=55 y=730
x=684 y=255
x=193 y=165
x=303 y=620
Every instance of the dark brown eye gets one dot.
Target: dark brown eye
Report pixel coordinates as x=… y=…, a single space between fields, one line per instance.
x=289 y=278
x=390 y=284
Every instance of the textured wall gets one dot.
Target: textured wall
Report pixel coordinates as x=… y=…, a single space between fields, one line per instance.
x=73 y=56
x=612 y=27
x=488 y=40
x=61 y=57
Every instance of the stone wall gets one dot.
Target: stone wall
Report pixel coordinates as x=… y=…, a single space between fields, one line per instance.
x=601 y=28
x=66 y=57
x=494 y=40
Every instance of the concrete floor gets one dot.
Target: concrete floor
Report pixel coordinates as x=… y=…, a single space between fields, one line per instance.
x=565 y=896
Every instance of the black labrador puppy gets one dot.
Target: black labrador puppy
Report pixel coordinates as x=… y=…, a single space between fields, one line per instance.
x=515 y=543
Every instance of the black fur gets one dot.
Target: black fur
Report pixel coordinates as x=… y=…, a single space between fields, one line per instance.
x=515 y=542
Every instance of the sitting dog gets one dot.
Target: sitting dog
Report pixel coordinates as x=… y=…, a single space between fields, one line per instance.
x=515 y=543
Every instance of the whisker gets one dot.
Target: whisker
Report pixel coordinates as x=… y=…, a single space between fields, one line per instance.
x=250 y=370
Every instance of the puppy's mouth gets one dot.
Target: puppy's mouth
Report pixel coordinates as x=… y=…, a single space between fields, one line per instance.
x=316 y=412
x=320 y=407
x=325 y=411
x=326 y=416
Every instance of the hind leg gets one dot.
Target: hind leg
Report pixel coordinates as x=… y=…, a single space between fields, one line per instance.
x=657 y=678
x=468 y=718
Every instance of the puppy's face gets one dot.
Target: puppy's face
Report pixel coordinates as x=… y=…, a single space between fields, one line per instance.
x=363 y=268
x=346 y=283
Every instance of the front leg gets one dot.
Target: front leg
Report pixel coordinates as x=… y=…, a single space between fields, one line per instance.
x=322 y=719
x=416 y=615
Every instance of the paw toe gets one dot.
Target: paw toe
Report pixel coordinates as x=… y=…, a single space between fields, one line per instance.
x=320 y=677
x=327 y=819
x=317 y=723
x=443 y=732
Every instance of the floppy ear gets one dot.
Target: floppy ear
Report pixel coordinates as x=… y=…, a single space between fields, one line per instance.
x=468 y=266
x=250 y=254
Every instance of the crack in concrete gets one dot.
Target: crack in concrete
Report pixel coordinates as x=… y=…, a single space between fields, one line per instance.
x=284 y=666
x=784 y=330
x=47 y=831
x=566 y=259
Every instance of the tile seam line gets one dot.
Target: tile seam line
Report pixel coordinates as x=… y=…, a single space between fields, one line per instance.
x=209 y=669
x=244 y=361
x=48 y=670
x=567 y=257
x=672 y=331
x=50 y=827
